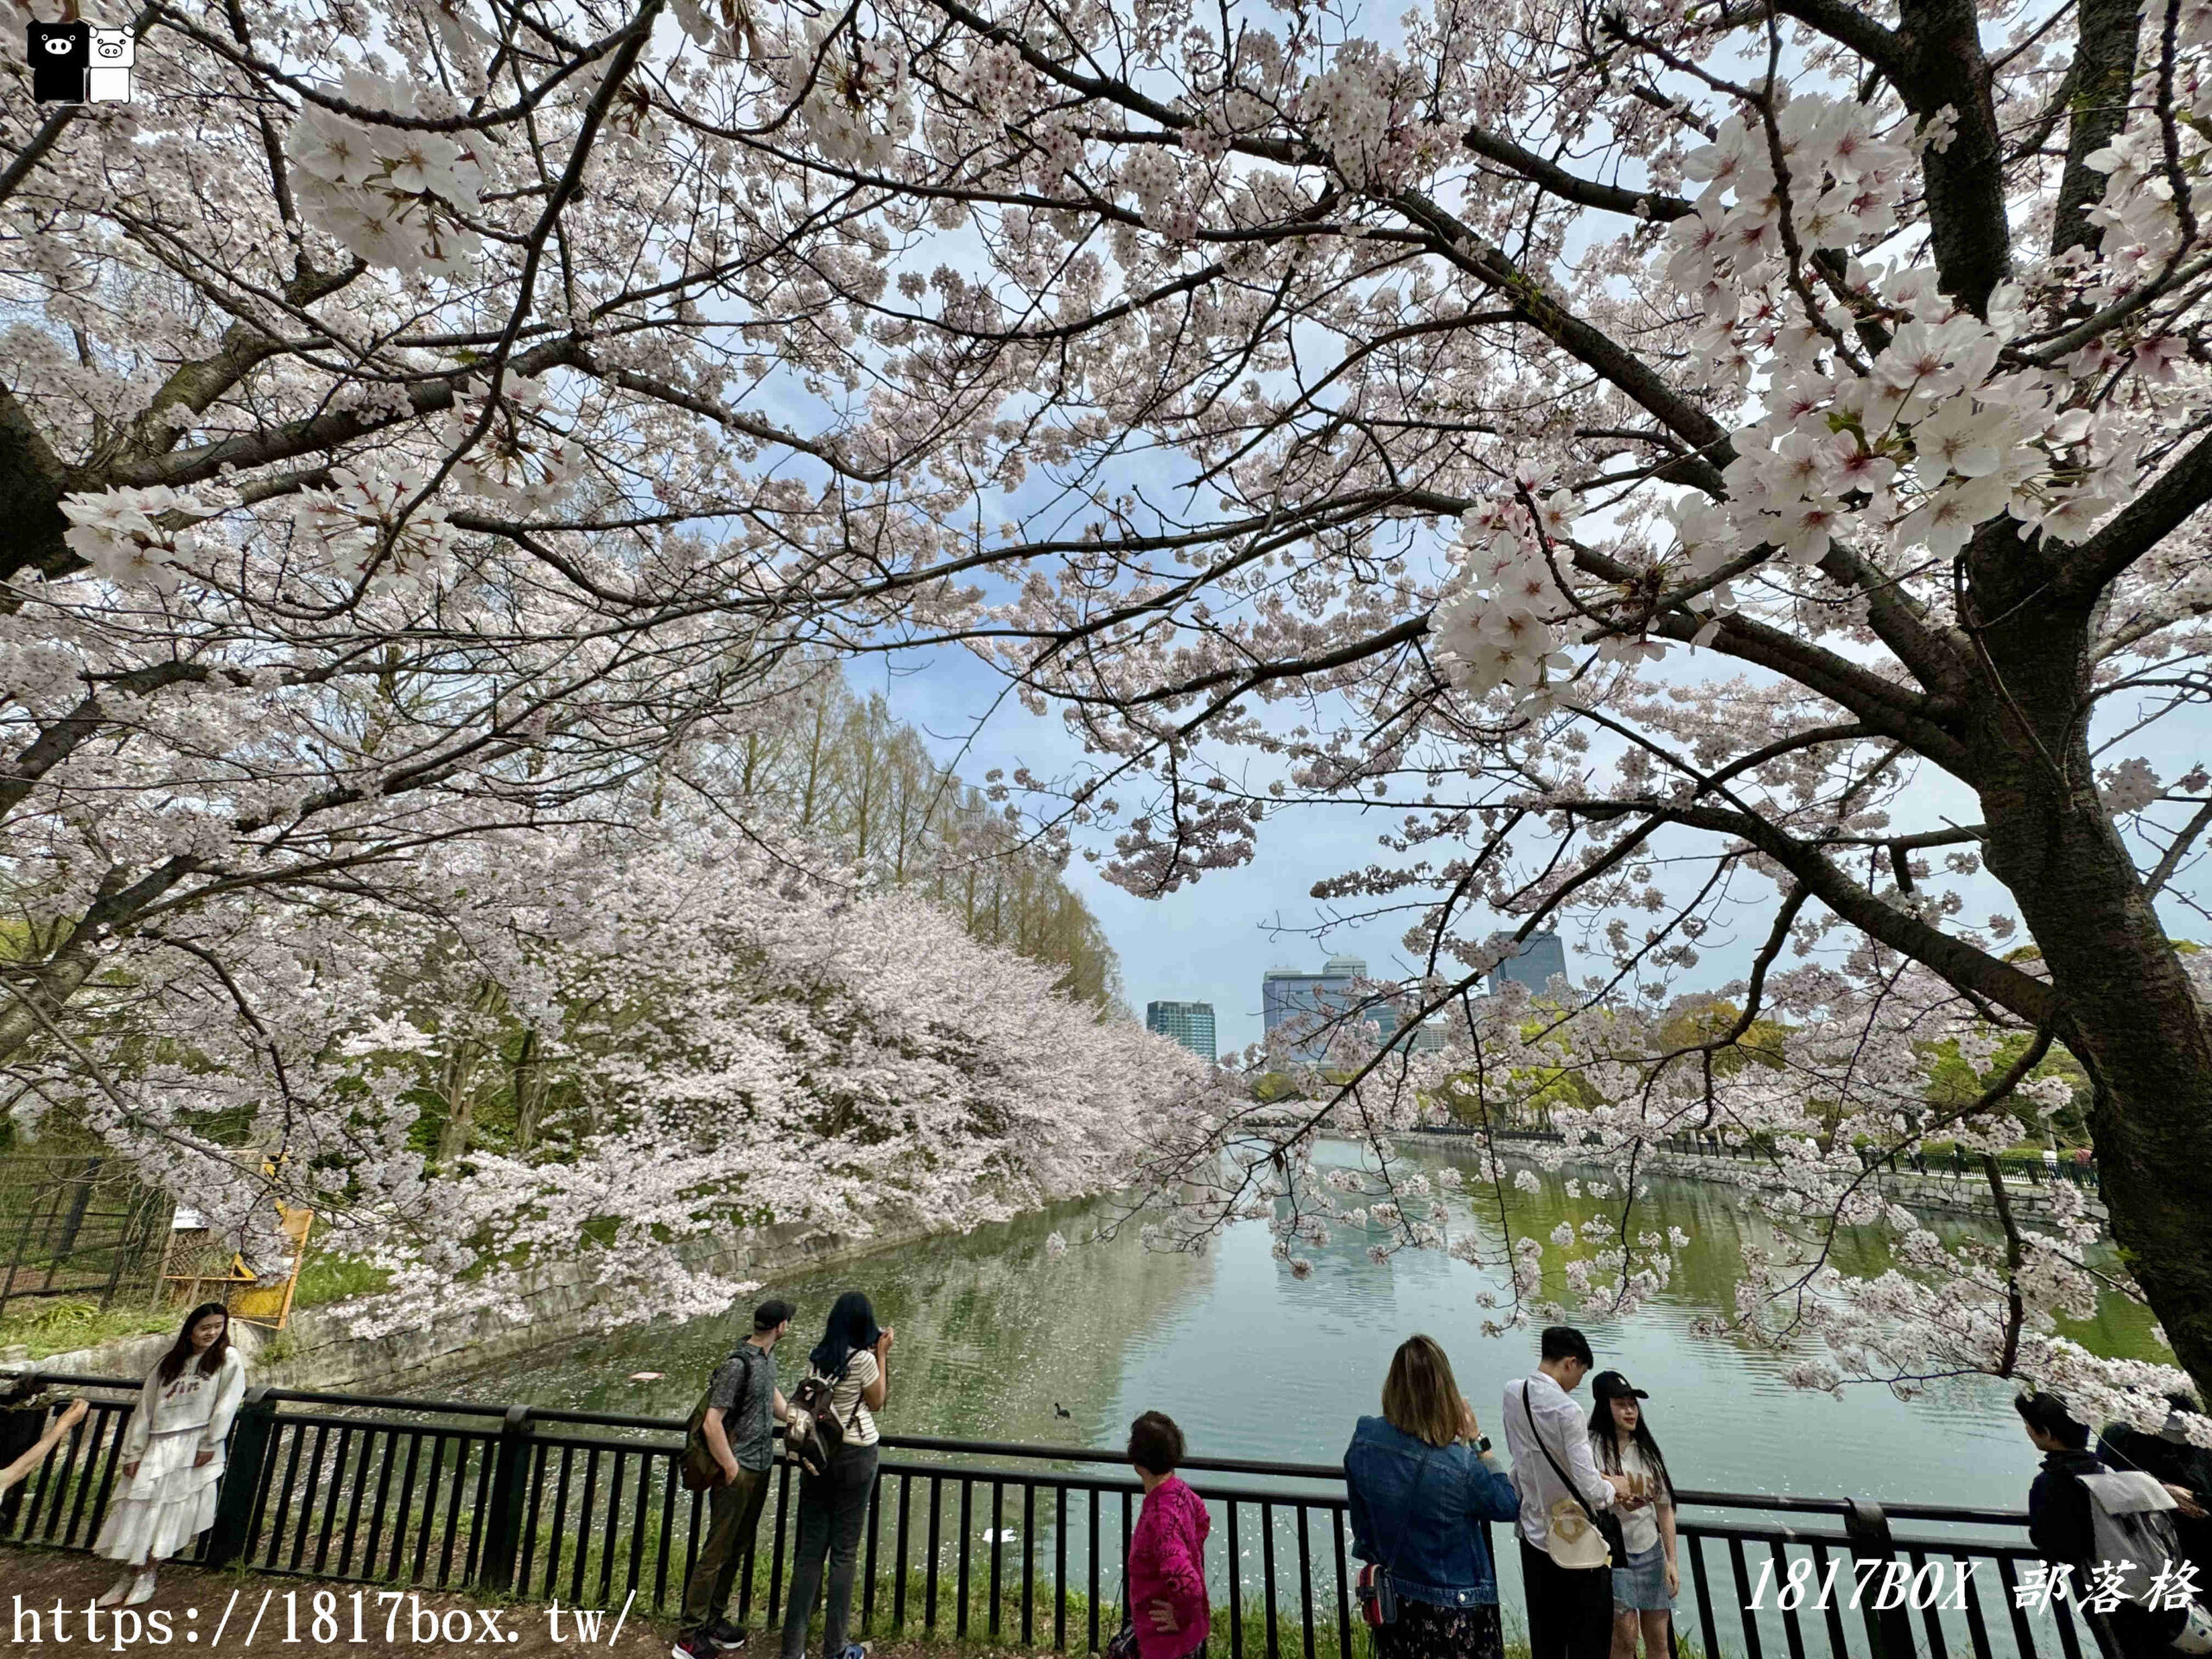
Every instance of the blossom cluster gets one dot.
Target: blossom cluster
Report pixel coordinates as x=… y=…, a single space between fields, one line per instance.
x=399 y=197
x=1497 y=627
x=120 y=534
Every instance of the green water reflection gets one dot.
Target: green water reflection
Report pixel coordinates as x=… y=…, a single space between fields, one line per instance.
x=997 y=1342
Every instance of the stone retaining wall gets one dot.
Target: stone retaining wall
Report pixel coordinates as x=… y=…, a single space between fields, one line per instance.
x=315 y=1350
x=1966 y=1195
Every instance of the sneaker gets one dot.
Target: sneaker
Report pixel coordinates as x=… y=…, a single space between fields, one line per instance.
x=854 y=1651
x=141 y=1589
x=726 y=1636
x=113 y=1595
x=697 y=1645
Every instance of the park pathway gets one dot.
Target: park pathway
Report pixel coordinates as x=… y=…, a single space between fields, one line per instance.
x=419 y=1623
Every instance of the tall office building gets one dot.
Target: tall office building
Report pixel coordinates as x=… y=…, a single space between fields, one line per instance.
x=1288 y=995
x=1188 y=1023
x=1532 y=963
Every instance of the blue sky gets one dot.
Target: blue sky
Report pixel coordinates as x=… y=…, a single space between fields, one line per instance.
x=1208 y=941
x=1212 y=940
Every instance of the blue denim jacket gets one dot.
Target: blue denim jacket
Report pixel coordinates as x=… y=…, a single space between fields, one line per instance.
x=1414 y=1508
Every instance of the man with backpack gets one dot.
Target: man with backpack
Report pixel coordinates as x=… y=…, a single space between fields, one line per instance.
x=728 y=1452
x=2111 y=1530
x=2184 y=1469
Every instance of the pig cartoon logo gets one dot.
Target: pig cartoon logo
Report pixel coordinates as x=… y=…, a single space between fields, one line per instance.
x=79 y=63
x=108 y=78
x=61 y=59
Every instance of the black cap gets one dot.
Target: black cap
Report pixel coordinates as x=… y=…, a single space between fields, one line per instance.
x=1612 y=1385
x=770 y=1314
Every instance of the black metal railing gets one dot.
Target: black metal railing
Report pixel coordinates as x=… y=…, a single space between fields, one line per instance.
x=970 y=1538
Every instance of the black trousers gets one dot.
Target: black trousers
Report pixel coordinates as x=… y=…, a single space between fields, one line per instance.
x=832 y=1514
x=734 y=1515
x=2133 y=1632
x=1570 y=1611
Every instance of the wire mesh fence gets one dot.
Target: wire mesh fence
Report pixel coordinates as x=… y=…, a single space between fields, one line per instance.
x=77 y=1226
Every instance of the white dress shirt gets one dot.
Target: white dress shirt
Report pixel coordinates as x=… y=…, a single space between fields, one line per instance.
x=1566 y=1432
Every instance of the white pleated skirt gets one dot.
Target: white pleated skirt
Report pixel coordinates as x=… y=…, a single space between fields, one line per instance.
x=158 y=1512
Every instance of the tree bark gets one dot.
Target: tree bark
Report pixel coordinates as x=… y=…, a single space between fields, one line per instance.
x=37 y=994
x=2104 y=70
x=2128 y=1011
x=1944 y=68
x=454 y=1085
x=529 y=1088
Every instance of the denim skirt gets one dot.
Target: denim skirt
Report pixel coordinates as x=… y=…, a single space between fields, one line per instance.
x=1641 y=1586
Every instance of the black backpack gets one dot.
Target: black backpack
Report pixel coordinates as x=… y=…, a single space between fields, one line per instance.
x=700 y=1470
x=825 y=1434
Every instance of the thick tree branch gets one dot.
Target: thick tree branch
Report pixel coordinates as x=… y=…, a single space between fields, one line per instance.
x=1567 y=187
x=2096 y=95
x=1970 y=968
x=2085 y=571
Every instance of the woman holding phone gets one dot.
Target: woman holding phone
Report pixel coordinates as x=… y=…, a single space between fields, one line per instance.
x=1644 y=1585
x=1421 y=1481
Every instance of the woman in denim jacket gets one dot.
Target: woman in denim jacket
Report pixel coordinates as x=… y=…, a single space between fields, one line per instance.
x=1420 y=1483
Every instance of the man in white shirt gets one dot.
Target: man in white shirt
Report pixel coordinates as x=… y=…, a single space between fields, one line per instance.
x=1570 y=1609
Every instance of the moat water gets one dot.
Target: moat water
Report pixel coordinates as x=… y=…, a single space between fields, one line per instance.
x=998 y=1342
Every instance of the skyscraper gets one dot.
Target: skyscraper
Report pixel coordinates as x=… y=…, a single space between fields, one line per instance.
x=1532 y=963
x=1188 y=1023
x=1293 y=993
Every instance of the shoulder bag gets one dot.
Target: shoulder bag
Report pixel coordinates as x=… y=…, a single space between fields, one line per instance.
x=1569 y=1541
x=1378 y=1596
x=1123 y=1644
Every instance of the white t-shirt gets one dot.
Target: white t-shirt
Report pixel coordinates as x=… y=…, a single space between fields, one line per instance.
x=846 y=1404
x=1639 y=1526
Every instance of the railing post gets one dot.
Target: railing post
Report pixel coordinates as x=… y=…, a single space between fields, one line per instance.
x=495 y=1568
x=1889 y=1630
x=252 y=1433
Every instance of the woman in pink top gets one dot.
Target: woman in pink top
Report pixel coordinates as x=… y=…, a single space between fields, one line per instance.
x=1167 y=1552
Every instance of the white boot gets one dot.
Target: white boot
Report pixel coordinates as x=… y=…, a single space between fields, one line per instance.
x=141 y=1589
x=112 y=1596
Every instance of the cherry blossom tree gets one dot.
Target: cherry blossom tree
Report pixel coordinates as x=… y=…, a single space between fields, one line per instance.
x=1810 y=385
x=1654 y=449
x=732 y=1042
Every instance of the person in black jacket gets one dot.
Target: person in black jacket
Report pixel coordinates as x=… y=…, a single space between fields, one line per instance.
x=2183 y=1469
x=2058 y=1526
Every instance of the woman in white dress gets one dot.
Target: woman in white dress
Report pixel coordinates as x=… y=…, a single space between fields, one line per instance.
x=173 y=1453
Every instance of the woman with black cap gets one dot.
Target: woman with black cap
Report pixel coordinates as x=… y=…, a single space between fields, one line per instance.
x=1644 y=1587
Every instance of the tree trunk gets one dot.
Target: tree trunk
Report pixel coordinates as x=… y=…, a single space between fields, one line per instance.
x=529 y=1087
x=34 y=1004
x=461 y=1105
x=2128 y=1011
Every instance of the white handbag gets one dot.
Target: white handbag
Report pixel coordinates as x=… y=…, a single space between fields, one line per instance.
x=1572 y=1539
